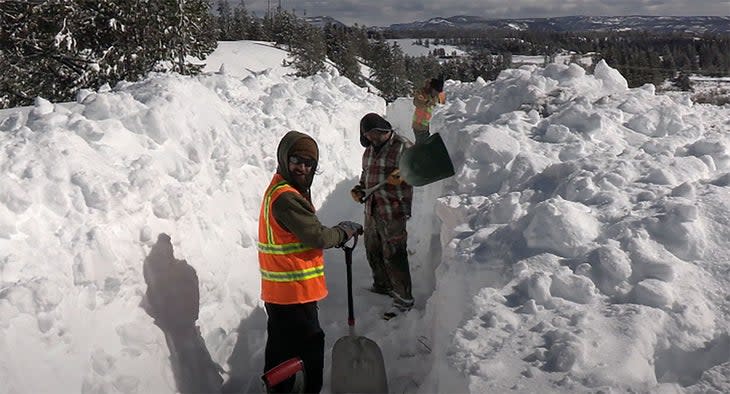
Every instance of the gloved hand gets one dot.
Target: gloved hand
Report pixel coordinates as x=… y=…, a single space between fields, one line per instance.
x=357 y=193
x=394 y=178
x=350 y=228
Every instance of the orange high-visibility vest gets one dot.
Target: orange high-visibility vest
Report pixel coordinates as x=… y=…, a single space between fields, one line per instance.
x=422 y=115
x=291 y=272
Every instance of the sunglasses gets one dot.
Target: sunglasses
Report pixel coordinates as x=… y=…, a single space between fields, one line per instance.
x=296 y=160
x=377 y=130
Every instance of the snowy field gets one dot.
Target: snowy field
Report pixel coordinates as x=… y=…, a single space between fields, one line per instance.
x=707 y=88
x=564 y=58
x=410 y=48
x=245 y=58
x=581 y=246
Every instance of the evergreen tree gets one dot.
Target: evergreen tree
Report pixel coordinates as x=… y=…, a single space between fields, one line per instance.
x=388 y=70
x=668 y=59
x=188 y=31
x=341 y=51
x=239 y=24
x=283 y=28
x=421 y=68
x=225 y=21
x=360 y=41
x=507 y=60
x=308 y=50
x=256 y=30
x=53 y=48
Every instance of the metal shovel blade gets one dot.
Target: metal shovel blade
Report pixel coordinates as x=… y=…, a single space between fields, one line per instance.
x=358 y=366
x=426 y=162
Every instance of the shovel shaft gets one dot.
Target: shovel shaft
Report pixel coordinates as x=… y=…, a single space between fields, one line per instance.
x=350 y=307
x=348 y=265
x=369 y=191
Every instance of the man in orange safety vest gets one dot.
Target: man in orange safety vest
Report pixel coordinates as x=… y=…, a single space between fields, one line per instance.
x=291 y=260
x=425 y=99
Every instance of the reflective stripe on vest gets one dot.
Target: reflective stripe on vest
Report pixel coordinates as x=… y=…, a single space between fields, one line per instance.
x=422 y=116
x=291 y=272
x=270 y=247
x=291 y=276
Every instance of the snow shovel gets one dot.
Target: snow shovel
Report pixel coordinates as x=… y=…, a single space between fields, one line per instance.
x=357 y=362
x=426 y=162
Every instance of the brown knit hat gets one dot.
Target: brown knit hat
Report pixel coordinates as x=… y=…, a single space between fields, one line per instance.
x=372 y=121
x=305 y=147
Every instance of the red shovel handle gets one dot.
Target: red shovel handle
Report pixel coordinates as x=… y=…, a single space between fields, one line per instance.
x=282 y=371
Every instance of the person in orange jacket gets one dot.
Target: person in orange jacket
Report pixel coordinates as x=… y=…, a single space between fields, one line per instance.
x=291 y=260
x=425 y=99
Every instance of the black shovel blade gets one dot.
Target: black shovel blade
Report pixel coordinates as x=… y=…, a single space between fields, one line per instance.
x=426 y=162
x=358 y=366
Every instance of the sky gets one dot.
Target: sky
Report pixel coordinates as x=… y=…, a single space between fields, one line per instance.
x=384 y=13
x=581 y=245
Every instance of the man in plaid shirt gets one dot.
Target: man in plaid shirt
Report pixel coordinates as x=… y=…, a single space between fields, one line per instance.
x=387 y=209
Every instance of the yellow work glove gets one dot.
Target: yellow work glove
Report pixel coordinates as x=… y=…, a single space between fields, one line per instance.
x=357 y=193
x=394 y=178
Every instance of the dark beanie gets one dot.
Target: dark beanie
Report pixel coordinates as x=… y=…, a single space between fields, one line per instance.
x=372 y=121
x=437 y=84
x=305 y=147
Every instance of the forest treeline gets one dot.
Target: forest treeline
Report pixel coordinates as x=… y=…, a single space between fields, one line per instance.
x=640 y=56
x=53 y=48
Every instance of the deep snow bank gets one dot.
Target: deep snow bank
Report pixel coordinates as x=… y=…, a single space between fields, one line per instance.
x=85 y=188
x=586 y=229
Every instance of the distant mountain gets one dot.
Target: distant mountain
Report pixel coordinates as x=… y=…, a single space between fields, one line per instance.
x=322 y=21
x=693 y=24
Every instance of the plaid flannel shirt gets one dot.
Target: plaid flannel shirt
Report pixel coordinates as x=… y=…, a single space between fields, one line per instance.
x=387 y=202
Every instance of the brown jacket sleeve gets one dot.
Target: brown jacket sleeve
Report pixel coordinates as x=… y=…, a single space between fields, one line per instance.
x=295 y=214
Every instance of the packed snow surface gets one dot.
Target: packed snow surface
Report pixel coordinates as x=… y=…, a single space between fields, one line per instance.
x=581 y=245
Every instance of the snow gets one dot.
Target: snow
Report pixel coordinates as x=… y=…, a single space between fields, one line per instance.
x=237 y=60
x=410 y=48
x=560 y=58
x=580 y=247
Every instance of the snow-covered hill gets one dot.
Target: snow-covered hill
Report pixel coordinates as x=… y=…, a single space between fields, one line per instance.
x=689 y=24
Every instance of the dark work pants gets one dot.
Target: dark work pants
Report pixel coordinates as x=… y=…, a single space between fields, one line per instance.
x=294 y=331
x=387 y=253
x=421 y=135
